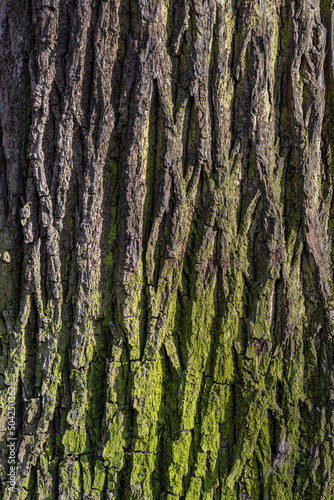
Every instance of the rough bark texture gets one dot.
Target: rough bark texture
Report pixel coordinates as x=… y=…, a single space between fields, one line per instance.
x=166 y=245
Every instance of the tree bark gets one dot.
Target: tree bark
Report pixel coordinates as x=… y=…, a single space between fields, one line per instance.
x=166 y=246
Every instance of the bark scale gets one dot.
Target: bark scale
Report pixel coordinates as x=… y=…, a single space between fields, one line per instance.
x=166 y=246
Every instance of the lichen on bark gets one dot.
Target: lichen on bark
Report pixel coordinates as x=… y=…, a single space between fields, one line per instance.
x=166 y=248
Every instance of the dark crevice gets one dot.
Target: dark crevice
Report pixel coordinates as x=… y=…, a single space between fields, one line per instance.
x=277 y=322
x=32 y=376
x=190 y=141
x=153 y=164
x=4 y=206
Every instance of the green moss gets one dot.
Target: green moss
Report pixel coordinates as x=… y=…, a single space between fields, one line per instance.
x=75 y=441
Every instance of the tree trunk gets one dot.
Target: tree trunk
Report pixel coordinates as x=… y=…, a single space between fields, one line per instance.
x=166 y=246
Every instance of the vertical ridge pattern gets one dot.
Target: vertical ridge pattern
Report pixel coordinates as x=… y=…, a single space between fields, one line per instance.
x=166 y=248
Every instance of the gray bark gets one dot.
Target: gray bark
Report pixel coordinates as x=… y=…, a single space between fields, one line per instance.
x=166 y=248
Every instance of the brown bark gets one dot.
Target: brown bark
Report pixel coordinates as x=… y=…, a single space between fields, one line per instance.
x=166 y=248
